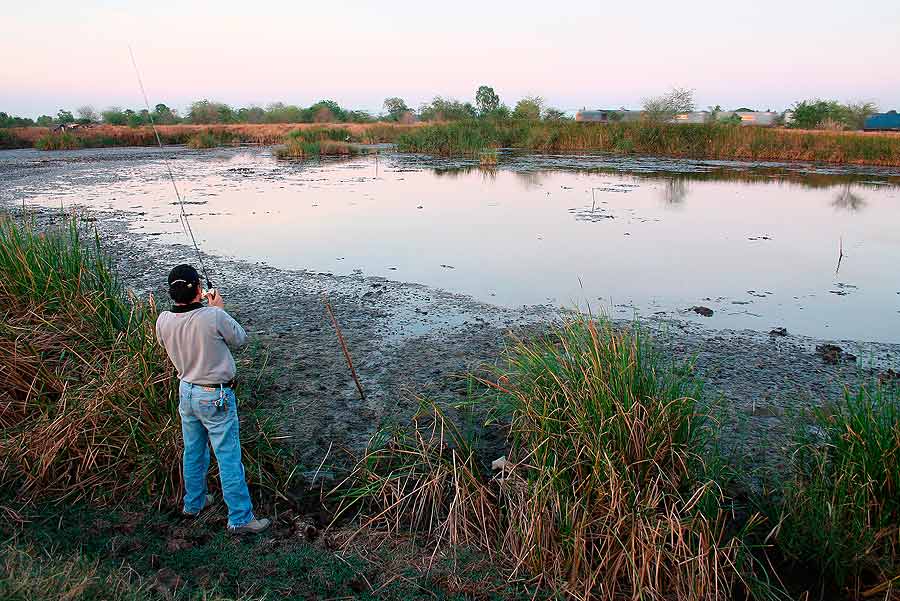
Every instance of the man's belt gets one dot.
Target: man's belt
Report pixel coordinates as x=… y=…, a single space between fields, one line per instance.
x=230 y=384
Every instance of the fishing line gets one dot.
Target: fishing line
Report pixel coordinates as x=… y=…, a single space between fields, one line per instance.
x=185 y=223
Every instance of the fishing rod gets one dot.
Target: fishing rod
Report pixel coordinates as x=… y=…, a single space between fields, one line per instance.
x=186 y=225
x=185 y=222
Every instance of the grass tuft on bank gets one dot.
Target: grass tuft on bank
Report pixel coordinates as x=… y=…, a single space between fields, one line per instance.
x=88 y=402
x=314 y=143
x=840 y=512
x=609 y=488
x=58 y=141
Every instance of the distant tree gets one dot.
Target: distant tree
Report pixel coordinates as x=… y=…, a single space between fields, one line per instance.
x=323 y=115
x=486 y=100
x=665 y=106
x=817 y=113
x=226 y=114
x=395 y=107
x=529 y=107
x=744 y=109
x=12 y=121
x=358 y=117
x=554 y=114
x=334 y=112
x=114 y=116
x=204 y=111
x=44 y=121
x=278 y=112
x=856 y=113
x=87 y=114
x=64 y=117
x=443 y=109
x=164 y=115
x=133 y=119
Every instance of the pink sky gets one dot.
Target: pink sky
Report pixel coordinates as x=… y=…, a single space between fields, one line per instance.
x=576 y=54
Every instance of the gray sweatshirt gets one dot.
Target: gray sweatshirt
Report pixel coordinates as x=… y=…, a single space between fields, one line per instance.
x=197 y=343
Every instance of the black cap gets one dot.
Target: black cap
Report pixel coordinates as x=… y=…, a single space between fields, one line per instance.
x=184 y=273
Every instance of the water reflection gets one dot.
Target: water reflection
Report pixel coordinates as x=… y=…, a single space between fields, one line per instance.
x=756 y=245
x=848 y=200
x=530 y=179
x=675 y=190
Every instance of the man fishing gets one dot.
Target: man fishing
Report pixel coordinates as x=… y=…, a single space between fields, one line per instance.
x=197 y=339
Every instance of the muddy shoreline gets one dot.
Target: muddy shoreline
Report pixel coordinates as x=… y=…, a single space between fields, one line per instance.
x=410 y=341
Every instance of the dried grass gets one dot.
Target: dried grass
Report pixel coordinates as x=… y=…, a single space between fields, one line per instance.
x=88 y=402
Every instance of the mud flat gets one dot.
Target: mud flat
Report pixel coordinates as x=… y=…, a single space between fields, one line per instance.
x=410 y=340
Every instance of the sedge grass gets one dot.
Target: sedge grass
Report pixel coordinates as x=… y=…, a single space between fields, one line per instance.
x=608 y=490
x=88 y=401
x=840 y=512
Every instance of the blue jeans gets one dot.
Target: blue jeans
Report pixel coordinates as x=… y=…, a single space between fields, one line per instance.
x=202 y=424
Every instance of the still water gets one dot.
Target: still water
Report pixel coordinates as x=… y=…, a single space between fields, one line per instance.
x=759 y=245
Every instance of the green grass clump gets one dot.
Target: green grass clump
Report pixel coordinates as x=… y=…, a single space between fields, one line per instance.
x=90 y=402
x=455 y=138
x=210 y=139
x=58 y=141
x=616 y=491
x=488 y=158
x=316 y=142
x=841 y=509
x=610 y=488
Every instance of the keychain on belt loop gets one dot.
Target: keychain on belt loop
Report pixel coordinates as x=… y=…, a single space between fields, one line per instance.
x=220 y=403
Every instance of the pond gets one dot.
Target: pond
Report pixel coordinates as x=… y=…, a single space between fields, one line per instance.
x=811 y=249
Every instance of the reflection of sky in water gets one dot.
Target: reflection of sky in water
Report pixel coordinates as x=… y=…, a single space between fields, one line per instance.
x=758 y=246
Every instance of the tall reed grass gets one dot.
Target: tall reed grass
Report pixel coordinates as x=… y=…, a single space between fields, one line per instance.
x=712 y=141
x=209 y=139
x=608 y=490
x=88 y=402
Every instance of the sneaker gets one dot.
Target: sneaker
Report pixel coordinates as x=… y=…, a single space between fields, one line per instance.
x=210 y=501
x=254 y=527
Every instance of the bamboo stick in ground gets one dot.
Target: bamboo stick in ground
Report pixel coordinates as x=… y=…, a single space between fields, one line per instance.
x=337 y=329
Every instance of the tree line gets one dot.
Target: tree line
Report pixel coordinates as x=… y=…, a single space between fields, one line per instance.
x=487 y=104
x=807 y=114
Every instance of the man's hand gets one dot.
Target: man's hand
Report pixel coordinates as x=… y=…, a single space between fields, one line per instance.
x=214 y=299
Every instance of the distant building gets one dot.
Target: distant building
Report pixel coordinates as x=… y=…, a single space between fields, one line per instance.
x=607 y=115
x=889 y=121
x=757 y=118
x=692 y=117
x=760 y=118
